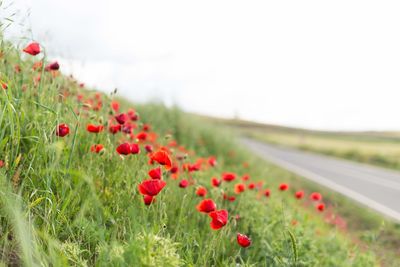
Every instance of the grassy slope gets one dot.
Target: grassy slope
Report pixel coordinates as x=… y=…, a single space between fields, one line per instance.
x=376 y=148
x=63 y=205
x=364 y=225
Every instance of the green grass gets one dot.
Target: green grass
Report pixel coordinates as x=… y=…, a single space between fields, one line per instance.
x=61 y=205
x=375 y=148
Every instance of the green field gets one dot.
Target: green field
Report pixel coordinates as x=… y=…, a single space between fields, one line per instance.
x=61 y=204
x=376 y=148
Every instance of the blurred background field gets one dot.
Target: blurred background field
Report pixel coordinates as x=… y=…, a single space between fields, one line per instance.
x=376 y=148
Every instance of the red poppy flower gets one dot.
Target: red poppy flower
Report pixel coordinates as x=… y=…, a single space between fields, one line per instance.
x=128 y=129
x=299 y=194
x=215 y=182
x=162 y=158
x=243 y=240
x=283 y=187
x=201 y=191
x=53 y=66
x=121 y=118
x=62 y=130
x=135 y=149
x=231 y=198
x=3 y=85
x=155 y=173
x=245 y=177
x=114 y=128
x=32 y=49
x=96 y=148
x=212 y=161
x=219 y=219
x=124 y=149
x=321 y=207
x=142 y=136
x=228 y=176
x=315 y=196
x=239 y=188
x=149 y=148
x=206 y=205
x=183 y=183
x=174 y=169
x=132 y=115
x=148 y=199
x=267 y=192
x=1 y=164
x=146 y=127
x=94 y=128
x=194 y=167
x=115 y=106
x=251 y=186
x=151 y=187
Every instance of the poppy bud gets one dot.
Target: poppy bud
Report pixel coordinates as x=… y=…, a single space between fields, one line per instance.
x=243 y=240
x=62 y=130
x=149 y=148
x=52 y=66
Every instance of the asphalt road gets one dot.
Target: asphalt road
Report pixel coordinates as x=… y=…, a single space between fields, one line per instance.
x=374 y=187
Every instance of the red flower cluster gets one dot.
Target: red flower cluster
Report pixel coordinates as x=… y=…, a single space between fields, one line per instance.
x=126 y=149
x=169 y=162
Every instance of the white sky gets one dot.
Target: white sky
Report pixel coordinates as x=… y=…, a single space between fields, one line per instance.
x=314 y=64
